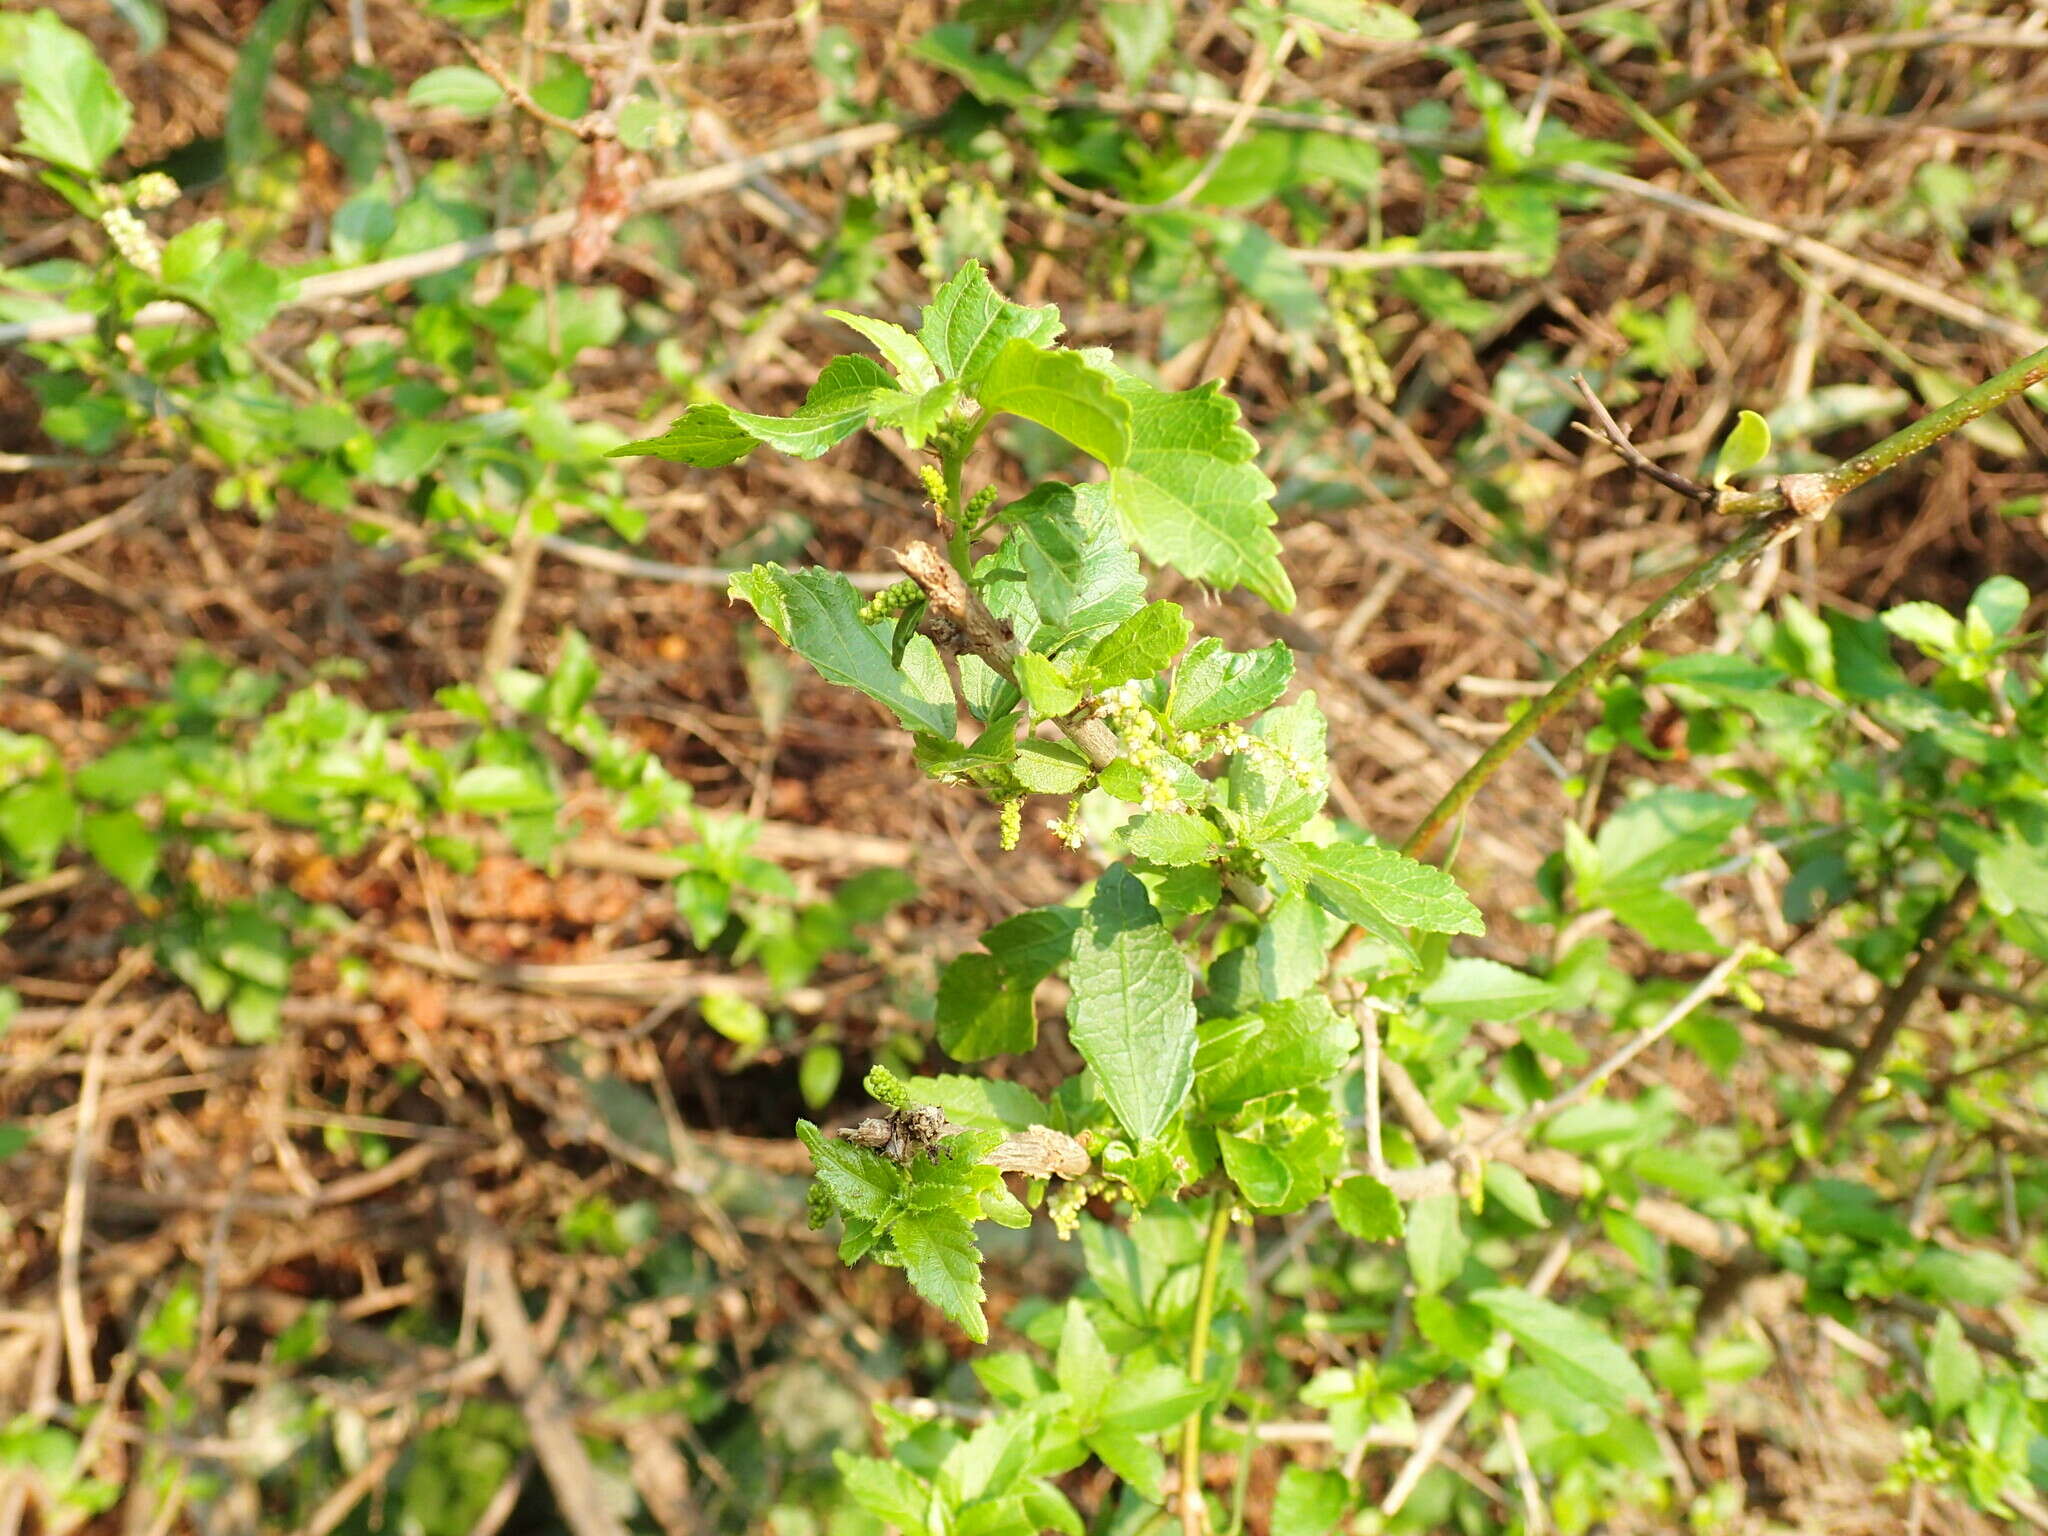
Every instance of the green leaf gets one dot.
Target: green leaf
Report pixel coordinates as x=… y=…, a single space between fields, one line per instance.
x=1290 y=946
x=1510 y=1188
x=71 y=112
x=1131 y=1459
x=1143 y=646
x=704 y=436
x=1372 y=21
x=2000 y=603
x=1269 y=272
x=1214 y=686
x=1367 y=1209
x=1267 y=796
x=739 y=1019
x=1189 y=493
x=981 y=1103
x=1050 y=767
x=1384 y=891
x=1149 y=1401
x=1084 y=1368
x=1045 y=686
x=13 y=1138
x=982 y=1010
x=899 y=349
x=1173 y=838
x=125 y=846
x=839 y=404
x=1663 y=919
x=1954 y=1372
x=494 y=789
x=862 y=1184
x=1664 y=833
x=1138 y=30
x=886 y=1489
x=36 y=818
x=1436 y=1240
x=1132 y=1013
x=817 y=614
x=1929 y=626
x=1572 y=1347
x=1485 y=989
x=468 y=91
x=991 y=78
x=1032 y=945
x=1308 y=1502
x=1062 y=393
x=818 y=1074
x=243 y=130
x=967 y=322
x=1745 y=447
x=1078 y=571
x=941 y=1261
x=1299 y=1043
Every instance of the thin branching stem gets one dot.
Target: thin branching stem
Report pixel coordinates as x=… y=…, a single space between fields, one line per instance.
x=1191 y=1510
x=1772 y=518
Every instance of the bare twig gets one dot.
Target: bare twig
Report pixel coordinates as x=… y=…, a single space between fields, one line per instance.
x=78 y=1186
x=549 y=1423
x=1709 y=986
x=1930 y=953
x=1616 y=437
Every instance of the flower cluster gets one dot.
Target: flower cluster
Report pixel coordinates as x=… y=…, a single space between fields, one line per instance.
x=898 y=185
x=133 y=240
x=152 y=189
x=890 y=601
x=1127 y=713
x=934 y=485
x=1012 y=823
x=978 y=505
x=1352 y=313
x=1236 y=740
x=1067 y=828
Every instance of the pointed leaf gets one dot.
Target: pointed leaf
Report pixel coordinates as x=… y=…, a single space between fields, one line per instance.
x=1190 y=495
x=1132 y=1013
x=941 y=1261
x=861 y=1183
x=817 y=614
x=1214 y=686
x=1384 y=891
x=1571 y=1346
x=1062 y=393
x=967 y=323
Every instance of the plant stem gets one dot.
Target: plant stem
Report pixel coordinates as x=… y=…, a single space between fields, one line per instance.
x=1772 y=520
x=1191 y=1510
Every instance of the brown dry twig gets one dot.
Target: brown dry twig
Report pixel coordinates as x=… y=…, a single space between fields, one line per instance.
x=1615 y=435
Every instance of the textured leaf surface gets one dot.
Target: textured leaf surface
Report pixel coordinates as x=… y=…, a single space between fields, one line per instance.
x=1132 y=1014
x=939 y=1256
x=1384 y=891
x=1190 y=494
x=817 y=614
x=1063 y=394
x=1215 y=686
x=967 y=323
x=861 y=1183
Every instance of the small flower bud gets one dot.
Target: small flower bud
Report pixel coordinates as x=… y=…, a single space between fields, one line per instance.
x=132 y=239
x=885 y=1087
x=152 y=189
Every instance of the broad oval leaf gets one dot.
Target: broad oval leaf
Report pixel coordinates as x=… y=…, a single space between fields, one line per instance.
x=1132 y=1013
